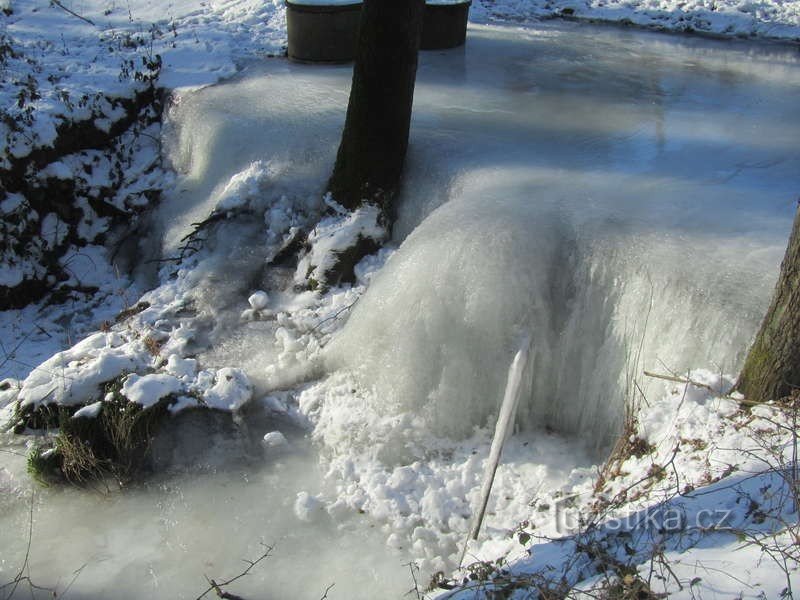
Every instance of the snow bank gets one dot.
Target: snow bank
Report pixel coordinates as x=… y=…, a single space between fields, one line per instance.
x=74 y=377
x=712 y=476
x=726 y=18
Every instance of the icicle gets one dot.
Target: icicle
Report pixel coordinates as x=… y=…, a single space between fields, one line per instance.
x=502 y=431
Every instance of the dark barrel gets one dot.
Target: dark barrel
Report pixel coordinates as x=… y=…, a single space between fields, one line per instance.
x=322 y=32
x=445 y=25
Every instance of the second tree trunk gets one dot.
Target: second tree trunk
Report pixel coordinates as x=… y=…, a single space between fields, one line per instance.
x=772 y=368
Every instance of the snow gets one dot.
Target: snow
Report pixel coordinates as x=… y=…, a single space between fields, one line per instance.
x=723 y=18
x=147 y=390
x=698 y=512
x=231 y=390
x=334 y=234
x=258 y=300
x=182 y=368
x=243 y=186
x=11 y=203
x=12 y=275
x=325 y=2
x=58 y=170
x=572 y=182
x=90 y=411
x=74 y=376
x=307 y=507
x=275 y=439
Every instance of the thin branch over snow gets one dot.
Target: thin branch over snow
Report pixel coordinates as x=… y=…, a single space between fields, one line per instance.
x=73 y=13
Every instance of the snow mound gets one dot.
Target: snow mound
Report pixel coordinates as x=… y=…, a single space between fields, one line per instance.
x=147 y=390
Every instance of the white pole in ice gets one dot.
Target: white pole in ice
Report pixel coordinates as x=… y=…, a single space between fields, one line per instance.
x=502 y=431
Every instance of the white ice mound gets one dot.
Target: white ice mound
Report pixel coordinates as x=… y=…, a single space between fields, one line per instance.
x=606 y=288
x=438 y=327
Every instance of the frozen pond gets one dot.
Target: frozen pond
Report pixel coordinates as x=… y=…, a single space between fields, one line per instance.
x=623 y=197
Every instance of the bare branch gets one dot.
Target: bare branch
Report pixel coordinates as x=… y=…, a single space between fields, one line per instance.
x=74 y=14
x=215 y=587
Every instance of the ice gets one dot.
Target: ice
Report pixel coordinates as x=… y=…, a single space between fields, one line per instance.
x=625 y=198
x=90 y=411
x=503 y=429
x=216 y=138
x=629 y=207
x=161 y=539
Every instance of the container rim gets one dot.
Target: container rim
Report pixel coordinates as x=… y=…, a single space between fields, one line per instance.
x=326 y=6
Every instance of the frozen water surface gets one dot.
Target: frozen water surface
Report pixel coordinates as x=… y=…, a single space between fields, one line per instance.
x=623 y=198
x=605 y=192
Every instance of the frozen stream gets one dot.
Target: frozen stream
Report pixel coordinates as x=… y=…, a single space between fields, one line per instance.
x=622 y=197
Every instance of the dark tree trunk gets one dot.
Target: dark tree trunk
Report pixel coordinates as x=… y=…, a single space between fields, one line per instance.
x=772 y=368
x=375 y=138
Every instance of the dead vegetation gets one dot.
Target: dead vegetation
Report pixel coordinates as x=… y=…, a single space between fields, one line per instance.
x=87 y=450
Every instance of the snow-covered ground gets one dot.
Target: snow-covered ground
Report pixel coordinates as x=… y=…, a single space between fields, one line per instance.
x=624 y=198
x=728 y=18
x=61 y=61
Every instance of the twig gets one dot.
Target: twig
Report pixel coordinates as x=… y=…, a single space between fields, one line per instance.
x=215 y=587
x=76 y=574
x=334 y=315
x=704 y=386
x=21 y=576
x=74 y=14
x=10 y=355
x=327 y=589
x=415 y=589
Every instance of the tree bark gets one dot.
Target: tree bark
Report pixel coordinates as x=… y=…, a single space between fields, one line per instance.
x=375 y=138
x=772 y=368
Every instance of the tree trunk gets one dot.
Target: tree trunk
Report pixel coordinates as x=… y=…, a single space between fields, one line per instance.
x=375 y=137
x=772 y=368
